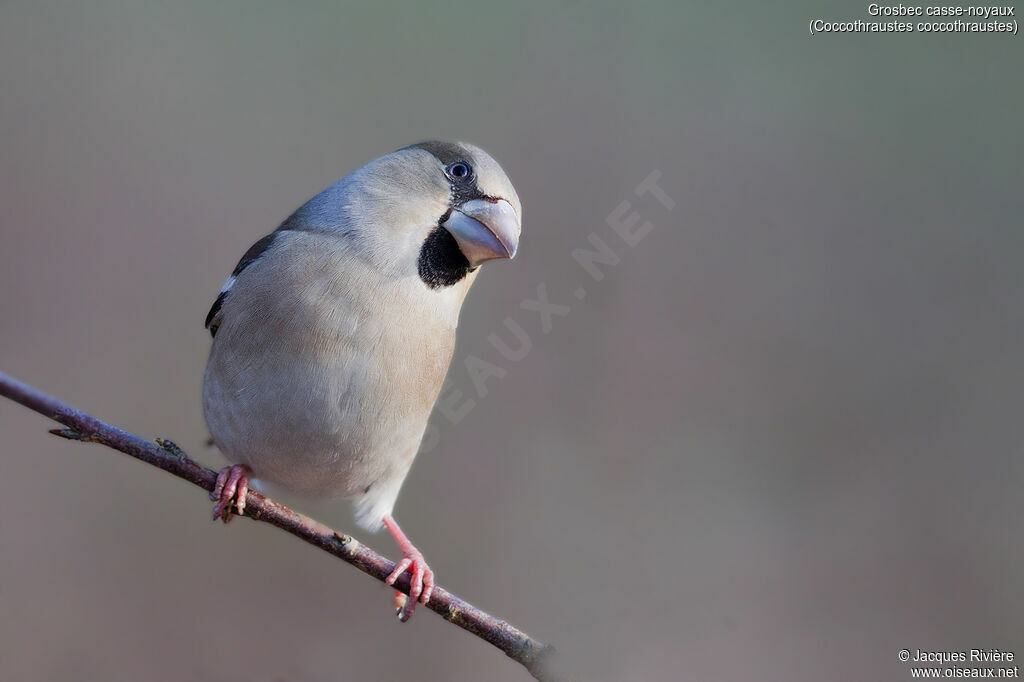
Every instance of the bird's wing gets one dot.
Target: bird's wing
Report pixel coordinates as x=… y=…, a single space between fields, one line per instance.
x=250 y=257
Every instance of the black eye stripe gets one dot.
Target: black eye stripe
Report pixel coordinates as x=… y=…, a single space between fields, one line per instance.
x=448 y=153
x=463 y=192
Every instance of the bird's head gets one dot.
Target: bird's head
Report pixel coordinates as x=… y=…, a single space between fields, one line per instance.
x=437 y=209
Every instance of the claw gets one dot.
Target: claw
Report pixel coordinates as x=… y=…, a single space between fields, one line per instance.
x=401 y=602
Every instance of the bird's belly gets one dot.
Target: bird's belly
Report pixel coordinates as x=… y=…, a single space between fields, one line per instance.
x=321 y=425
x=327 y=391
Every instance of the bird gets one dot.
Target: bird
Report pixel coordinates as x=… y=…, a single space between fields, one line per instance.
x=333 y=334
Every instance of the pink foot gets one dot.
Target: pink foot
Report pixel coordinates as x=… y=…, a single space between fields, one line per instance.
x=421 y=584
x=232 y=484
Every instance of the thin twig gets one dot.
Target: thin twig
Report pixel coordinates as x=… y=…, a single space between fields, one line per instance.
x=532 y=654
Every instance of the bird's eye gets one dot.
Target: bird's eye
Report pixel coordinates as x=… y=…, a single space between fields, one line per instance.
x=458 y=170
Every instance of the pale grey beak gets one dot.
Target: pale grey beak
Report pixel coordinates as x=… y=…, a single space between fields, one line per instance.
x=485 y=230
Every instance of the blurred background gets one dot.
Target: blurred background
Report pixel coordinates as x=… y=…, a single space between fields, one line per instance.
x=781 y=439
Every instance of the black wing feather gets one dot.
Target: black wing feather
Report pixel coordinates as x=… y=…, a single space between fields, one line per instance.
x=250 y=257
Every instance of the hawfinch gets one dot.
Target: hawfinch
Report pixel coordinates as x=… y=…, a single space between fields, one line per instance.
x=333 y=334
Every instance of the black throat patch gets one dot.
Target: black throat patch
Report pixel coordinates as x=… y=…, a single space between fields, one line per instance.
x=441 y=263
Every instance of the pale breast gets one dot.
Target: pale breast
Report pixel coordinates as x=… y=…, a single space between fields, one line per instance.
x=323 y=374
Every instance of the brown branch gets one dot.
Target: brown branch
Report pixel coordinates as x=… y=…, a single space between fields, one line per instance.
x=534 y=655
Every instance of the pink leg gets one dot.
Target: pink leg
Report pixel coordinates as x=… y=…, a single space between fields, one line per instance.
x=232 y=484
x=421 y=585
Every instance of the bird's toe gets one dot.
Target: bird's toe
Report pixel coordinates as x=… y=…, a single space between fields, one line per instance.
x=421 y=583
x=230 y=492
